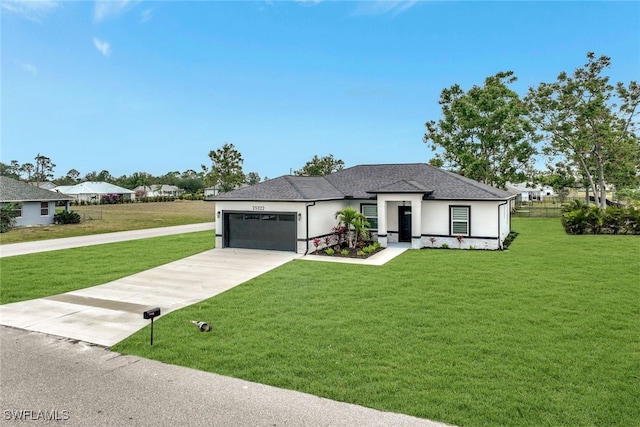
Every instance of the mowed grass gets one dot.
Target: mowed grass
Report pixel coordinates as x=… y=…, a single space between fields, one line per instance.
x=119 y=217
x=49 y=273
x=546 y=334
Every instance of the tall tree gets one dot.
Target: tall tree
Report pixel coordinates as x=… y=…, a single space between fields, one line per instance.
x=171 y=178
x=591 y=124
x=105 y=176
x=485 y=133
x=226 y=168
x=28 y=169
x=71 y=178
x=252 y=178
x=11 y=170
x=320 y=166
x=91 y=176
x=44 y=169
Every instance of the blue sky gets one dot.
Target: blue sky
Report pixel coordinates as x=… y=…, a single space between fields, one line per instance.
x=131 y=86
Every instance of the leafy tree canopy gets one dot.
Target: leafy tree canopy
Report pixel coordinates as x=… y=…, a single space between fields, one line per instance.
x=226 y=169
x=484 y=133
x=591 y=124
x=320 y=166
x=252 y=178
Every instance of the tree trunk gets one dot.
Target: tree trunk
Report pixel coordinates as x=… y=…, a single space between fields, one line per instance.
x=603 y=187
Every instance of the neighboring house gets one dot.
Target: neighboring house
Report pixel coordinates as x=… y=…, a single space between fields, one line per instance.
x=530 y=194
x=37 y=206
x=44 y=185
x=410 y=203
x=92 y=191
x=156 y=190
x=210 y=192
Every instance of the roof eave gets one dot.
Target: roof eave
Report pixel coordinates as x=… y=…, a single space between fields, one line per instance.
x=324 y=199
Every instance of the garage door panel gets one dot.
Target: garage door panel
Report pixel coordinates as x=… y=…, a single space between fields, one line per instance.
x=272 y=231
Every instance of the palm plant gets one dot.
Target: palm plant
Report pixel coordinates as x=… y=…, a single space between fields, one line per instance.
x=355 y=222
x=361 y=228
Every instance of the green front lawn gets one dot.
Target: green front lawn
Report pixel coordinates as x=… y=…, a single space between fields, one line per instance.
x=544 y=334
x=49 y=273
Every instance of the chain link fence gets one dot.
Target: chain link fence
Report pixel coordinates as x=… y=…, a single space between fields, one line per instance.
x=92 y=215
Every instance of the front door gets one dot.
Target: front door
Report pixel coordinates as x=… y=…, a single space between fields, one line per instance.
x=404 y=222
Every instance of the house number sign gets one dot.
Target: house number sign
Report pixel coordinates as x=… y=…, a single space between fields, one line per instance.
x=258 y=208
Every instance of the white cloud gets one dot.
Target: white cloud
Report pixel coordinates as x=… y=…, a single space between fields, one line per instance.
x=102 y=46
x=34 y=11
x=381 y=7
x=29 y=68
x=145 y=15
x=105 y=9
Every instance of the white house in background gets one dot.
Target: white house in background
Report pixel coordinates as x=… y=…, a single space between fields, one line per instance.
x=413 y=203
x=44 y=185
x=93 y=192
x=210 y=192
x=527 y=193
x=35 y=206
x=155 y=190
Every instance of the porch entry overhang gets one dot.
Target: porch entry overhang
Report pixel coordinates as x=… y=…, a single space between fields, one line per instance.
x=407 y=196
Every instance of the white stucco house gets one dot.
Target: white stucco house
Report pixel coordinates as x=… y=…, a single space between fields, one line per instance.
x=210 y=192
x=528 y=193
x=34 y=206
x=156 y=190
x=417 y=204
x=94 y=191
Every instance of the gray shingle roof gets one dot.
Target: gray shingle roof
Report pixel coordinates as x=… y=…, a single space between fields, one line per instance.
x=402 y=186
x=288 y=187
x=365 y=181
x=17 y=191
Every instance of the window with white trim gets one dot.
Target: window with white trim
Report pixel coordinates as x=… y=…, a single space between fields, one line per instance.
x=460 y=220
x=44 y=208
x=371 y=213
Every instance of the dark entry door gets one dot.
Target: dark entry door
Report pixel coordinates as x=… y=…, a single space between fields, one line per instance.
x=404 y=222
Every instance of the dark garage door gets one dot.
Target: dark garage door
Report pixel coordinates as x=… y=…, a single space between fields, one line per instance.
x=272 y=231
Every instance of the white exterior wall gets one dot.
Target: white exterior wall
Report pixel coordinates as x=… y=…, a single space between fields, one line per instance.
x=490 y=225
x=484 y=224
x=298 y=208
x=322 y=214
x=323 y=220
x=435 y=218
x=505 y=221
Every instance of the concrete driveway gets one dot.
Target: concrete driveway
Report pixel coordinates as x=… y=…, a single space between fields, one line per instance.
x=109 y=313
x=81 y=384
x=14 y=249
